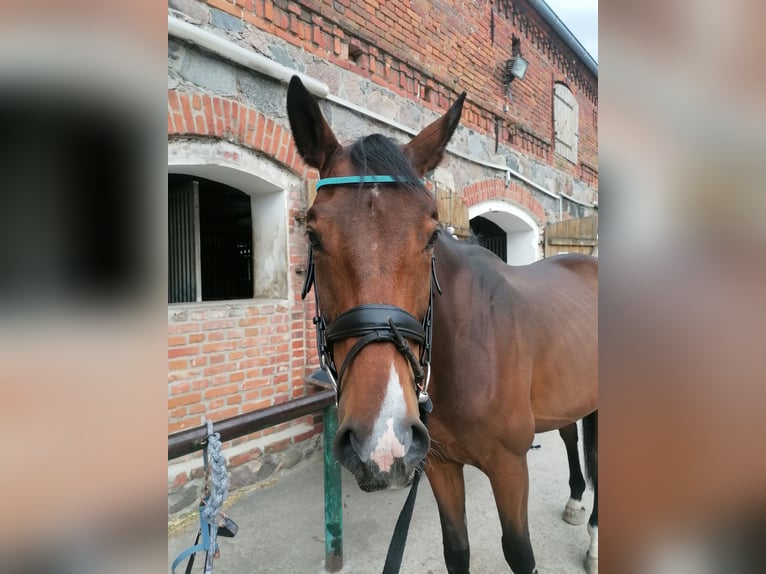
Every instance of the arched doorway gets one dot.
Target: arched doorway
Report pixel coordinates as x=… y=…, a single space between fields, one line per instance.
x=508 y=230
x=491 y=236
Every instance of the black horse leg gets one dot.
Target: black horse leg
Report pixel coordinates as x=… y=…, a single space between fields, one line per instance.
x=574 y=511
x=448 y=485
x=590 y=440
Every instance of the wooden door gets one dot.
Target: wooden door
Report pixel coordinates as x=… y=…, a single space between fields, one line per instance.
x=565 y=122
x=452 y=211
x=572 y=236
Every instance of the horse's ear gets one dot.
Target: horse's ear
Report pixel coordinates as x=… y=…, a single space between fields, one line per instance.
x=313 y=137
x=426 y=149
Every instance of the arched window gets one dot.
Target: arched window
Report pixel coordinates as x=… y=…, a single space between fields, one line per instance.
x=227 y=224
x=565 y=115
x=210 y=235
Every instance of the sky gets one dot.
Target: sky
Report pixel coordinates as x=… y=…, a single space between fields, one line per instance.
x=581 y=17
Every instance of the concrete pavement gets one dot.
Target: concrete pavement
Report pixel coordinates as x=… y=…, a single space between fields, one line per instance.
x=281 y=527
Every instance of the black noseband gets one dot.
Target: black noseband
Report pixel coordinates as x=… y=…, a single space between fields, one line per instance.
x=378 y=324
x=365 y=319
x=374 y=323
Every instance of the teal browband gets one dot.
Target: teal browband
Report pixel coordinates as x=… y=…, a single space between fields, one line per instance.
x=365 y=179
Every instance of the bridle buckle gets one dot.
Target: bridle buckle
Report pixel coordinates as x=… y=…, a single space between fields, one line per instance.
x=329 y=370
x=423 y=389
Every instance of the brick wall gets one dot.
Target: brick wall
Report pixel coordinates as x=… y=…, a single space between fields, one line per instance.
x=496 y=189
x=431 y=51
x=233 y=357
x=225 y=118
x=229 y=358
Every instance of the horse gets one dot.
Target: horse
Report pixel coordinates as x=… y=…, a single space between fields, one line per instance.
x=574 y=512
x=411 y=321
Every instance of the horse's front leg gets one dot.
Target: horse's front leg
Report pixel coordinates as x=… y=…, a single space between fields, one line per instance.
x=448 y=485
x=509 y=477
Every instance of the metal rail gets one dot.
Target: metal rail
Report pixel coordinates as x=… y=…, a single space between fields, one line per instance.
x=191 y=440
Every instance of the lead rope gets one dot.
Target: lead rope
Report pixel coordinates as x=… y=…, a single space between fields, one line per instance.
x=402 y=528
x=216 y=491
x=399 y=539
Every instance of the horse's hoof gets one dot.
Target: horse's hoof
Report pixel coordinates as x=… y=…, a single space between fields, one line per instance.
x=575 y=513
x=591 y=564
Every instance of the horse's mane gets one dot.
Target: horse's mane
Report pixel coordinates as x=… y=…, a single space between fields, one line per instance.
x=472 y=239
x=377 y=154
x=468 y=247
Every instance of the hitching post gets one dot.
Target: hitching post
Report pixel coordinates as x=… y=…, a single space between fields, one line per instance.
x=333 y=503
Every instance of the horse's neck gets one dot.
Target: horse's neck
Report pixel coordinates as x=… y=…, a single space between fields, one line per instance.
x=453 y=271
x=468 y=273
x=452 y=258
x=451 y=253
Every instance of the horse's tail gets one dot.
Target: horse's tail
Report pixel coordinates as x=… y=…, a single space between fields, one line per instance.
x=590 y=446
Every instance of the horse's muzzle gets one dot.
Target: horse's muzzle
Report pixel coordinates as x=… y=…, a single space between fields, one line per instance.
x=382 y=462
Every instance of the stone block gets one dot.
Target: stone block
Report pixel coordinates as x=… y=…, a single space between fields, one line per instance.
x=210 y=73
x=244 y=474
x=265 y=95
x=221 y=19
x=192 y=9
x=185 y=497
x=290 y=458
x=280 y=54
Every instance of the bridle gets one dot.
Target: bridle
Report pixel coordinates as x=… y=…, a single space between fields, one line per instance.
x=373 y=323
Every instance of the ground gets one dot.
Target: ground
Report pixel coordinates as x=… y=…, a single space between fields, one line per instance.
x=281 y=527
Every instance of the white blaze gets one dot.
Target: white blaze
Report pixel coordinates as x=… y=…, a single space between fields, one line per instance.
x=388 y=446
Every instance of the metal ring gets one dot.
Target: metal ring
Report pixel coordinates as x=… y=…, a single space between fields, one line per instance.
x=423 y=391
x=328 y=370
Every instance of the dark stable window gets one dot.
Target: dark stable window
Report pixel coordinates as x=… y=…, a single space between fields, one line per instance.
x=490 y=236
x=210 y=241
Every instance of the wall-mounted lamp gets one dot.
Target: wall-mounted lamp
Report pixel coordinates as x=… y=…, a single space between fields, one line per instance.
x=517 y=66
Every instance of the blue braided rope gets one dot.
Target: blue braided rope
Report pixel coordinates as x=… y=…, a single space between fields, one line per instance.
x=218 y=490
x=219 y=479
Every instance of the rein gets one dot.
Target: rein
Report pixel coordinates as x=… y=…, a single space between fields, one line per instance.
x=376 y=323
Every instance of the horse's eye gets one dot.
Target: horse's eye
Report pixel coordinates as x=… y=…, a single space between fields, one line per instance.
x=434 y=237
x=314 y=239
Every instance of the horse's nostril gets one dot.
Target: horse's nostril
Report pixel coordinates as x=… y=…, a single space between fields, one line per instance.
x=421 y=442
x=347 y=445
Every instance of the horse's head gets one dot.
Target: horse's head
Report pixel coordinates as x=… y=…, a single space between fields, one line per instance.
x=372 y=242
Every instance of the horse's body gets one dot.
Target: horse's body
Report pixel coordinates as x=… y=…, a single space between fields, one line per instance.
x=525 y=337
x=515 y=353
x=514 y=349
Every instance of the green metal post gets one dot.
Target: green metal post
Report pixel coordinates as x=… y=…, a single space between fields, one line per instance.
x=333 y=502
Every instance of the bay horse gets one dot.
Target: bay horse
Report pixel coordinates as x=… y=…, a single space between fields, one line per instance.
x=407 y=316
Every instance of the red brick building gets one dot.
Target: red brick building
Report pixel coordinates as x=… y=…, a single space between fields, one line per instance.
x=239 y=336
